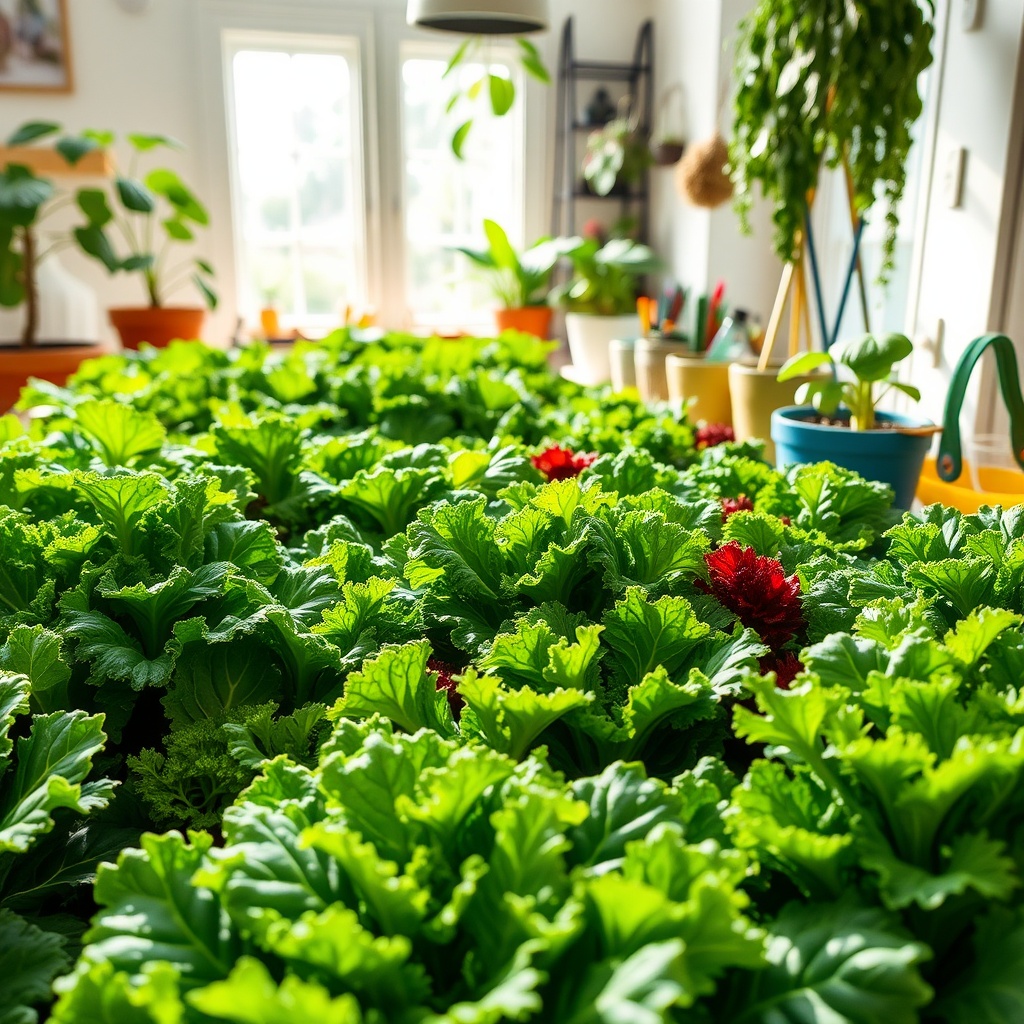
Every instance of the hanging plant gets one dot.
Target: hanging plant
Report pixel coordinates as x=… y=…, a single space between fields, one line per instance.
x=499 y=90
x=820 y=80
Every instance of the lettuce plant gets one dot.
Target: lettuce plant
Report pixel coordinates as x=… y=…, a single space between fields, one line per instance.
x=46 y=852
x=408 y=877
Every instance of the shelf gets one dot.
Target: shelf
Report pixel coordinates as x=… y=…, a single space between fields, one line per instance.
x=606 y=71
x=570 y=191
x=582 y=192
x=46 y=160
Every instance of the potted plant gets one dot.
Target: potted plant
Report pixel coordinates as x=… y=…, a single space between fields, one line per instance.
x=520 y=282
x=600 y=299
x=819 y=82
x=150 y=215
x=617 y=157
x=25 y=202
x=839 y=421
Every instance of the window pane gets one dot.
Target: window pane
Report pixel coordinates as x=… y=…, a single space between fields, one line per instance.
x=447 y=200
x=298 y=181
x=328 y=280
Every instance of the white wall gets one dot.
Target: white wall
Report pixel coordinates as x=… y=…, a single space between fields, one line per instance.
x=138 y=72
x=695 y=45
x=143 y=72
x=975 y=105
x=132 y=73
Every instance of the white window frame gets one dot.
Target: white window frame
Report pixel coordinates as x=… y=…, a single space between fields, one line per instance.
x=420 y=48
x=380 y=27
x=235 y=41
x=216 y=19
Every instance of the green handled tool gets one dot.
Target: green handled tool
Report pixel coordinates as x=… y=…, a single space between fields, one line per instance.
x=949 y=463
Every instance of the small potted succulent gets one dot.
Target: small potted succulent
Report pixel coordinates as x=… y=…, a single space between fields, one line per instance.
x=838 y=419
x=149 y=215
x=519 y=281
x=26 y=198
x=600 y=299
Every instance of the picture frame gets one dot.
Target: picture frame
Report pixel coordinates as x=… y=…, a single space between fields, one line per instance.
x=35 y=46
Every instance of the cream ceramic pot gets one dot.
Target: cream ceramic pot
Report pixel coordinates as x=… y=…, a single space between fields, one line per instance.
x=650 y=355
x=589 y=336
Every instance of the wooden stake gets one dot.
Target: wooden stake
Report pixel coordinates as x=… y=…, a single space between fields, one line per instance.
x=775 y=320
x=796 y=310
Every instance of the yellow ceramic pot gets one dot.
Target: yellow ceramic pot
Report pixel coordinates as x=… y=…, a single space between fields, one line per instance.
x=755 y=395
x=704 y=385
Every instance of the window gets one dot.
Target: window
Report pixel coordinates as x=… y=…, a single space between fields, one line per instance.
x=295 y=117
x=890 y=309
x=445 y=200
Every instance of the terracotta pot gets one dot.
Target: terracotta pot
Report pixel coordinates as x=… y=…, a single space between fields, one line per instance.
x=703 y=385
x=535 y=320
x=51 y=362
x=157 y=325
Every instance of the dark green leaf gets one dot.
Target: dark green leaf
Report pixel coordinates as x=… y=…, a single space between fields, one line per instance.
x=93 y=203
x=135 y=196
x=209 y=295
x=95 y=243
x=74 y=147
x=31 y=131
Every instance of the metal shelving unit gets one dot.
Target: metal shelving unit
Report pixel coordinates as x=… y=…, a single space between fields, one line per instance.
x=569 y=186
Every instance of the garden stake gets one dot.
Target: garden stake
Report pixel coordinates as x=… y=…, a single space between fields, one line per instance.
x=854 y=265
x=812 y=252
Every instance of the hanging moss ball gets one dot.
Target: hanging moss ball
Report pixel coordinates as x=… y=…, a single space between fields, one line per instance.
x=700 y=176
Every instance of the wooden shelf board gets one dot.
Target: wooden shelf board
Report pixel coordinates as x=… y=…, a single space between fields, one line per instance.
x=45 y=160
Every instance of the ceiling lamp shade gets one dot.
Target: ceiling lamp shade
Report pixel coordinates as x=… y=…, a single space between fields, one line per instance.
x=480 y=17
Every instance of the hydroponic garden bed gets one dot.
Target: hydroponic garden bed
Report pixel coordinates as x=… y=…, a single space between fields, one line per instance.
x=474 y=729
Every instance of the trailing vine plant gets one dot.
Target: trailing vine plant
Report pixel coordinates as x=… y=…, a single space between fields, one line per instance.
x=818 y=80
x=498 y=90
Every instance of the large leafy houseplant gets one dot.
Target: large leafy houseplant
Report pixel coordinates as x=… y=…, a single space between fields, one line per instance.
x=600 y=299
x=820 y=81
x=24 y=195
x=150 y=216
x=604 y=277
x=516 y=279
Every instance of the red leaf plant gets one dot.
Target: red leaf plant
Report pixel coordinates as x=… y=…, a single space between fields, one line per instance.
x=785 y=666
x=711 y=434
x=756 y=589
x=557 y=463
x=446 y=673
x=730 y=506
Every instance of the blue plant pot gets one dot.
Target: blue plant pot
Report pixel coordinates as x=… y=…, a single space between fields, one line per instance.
x=895 y=459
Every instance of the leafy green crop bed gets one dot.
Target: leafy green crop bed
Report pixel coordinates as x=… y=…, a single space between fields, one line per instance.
x=403 y=682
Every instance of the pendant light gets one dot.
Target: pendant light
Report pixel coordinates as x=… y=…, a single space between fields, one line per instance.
x=480 y=17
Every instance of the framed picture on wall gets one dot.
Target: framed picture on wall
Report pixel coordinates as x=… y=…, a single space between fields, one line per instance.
x=35 y=46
